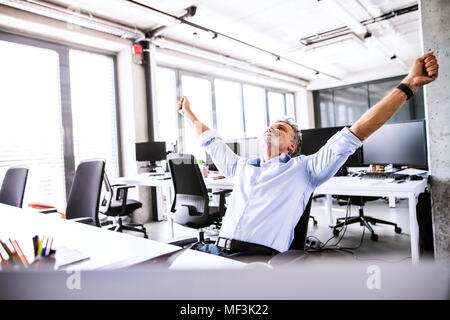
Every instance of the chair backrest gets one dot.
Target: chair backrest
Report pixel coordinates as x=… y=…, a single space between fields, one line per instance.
x=301 y=229
x=188 y=183
x=107 y=195
x=13 y=186
x=84 y=196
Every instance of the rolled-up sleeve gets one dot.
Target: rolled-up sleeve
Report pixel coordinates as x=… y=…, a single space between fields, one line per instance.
x=222 y=156
x=324 y=164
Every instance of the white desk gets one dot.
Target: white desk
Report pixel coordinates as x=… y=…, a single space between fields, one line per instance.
x=106 y=249
x=334 y=186
x=378 y=188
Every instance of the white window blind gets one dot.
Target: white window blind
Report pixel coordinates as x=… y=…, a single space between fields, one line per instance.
x=276 y=106
x=228 y=109
x=166 y=97
x=255 y=110
x=198 y=91
x=94 y=108
x=30 y=120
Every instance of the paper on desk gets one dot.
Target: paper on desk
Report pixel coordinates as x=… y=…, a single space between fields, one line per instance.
x=66 y=256
x=411 y=171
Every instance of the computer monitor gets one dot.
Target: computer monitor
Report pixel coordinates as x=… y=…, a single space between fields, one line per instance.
x=399 y=144
x=314 y=139
x=151 y=151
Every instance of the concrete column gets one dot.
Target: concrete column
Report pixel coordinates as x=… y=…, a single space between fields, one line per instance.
x=436 y=37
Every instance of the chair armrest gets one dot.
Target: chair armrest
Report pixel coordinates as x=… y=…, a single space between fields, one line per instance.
x=182 y=241
x=289 y=257
x=222 y=194
x=83 y=220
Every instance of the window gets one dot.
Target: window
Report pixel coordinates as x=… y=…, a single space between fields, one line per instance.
x=350 y=103
x=379 y=90
x=166 y=96
x=326 y=108
x=57 y=108
x=235 y=109
x=290 y=106
x=198 y=91
x=228 y=109
x=345 y=105
x=92 y=87
x=254 y=110
x=276 y=106
x=30 y=124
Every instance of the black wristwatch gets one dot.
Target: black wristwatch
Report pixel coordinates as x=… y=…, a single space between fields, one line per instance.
x=406 y=90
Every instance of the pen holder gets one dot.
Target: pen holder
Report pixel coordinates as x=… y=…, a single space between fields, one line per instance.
x=47 y=262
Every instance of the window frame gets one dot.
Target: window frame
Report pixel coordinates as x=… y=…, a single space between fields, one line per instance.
x=366 y=84
x=181 y=72
x=65 y=97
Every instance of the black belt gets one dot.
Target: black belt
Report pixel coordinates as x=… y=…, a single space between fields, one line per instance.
x=237 y=245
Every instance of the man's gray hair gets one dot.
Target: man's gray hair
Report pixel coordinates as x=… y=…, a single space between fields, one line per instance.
x=297 y=139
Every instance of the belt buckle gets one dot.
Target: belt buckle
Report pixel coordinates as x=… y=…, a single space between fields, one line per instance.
x=227 y=243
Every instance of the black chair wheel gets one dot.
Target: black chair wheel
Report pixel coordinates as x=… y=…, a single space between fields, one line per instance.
x=398 y=230
x=335 y=232
x=315 y=222
x=374 y=237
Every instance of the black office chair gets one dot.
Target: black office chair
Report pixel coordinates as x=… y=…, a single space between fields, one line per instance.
x=13 y=186
x=361 y=218
x=297 y=249
x=116 y=204
x=190 y=207
x=84 y=196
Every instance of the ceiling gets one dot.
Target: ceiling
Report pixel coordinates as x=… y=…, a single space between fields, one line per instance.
x=277 y=27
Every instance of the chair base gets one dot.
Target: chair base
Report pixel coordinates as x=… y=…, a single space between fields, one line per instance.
x=364 y=221
x=119 y=227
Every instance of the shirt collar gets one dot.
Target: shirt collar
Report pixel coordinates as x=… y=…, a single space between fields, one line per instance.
x=284 y=157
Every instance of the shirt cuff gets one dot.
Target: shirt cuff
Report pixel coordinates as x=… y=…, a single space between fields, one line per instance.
x=208 y=136
x=344 y=142
x=348 y=135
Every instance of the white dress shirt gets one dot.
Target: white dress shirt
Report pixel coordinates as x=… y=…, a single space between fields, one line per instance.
x=268 y=199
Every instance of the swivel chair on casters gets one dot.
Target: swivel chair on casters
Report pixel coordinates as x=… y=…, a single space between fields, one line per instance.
x=190 y=206
x=13 y=186
x=116 y=204
x=84 y=196
x=361 y=219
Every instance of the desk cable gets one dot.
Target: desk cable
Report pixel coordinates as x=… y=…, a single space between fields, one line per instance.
x=335 y=247
x=323 y=246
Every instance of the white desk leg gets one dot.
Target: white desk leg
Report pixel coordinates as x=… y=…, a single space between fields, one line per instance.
x=414 y=229
x=215 y=197
x=330 y=209
x=159 y=203
x=391 y=202
x=171 y=228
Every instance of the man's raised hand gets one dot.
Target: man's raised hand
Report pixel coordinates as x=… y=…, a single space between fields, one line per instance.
x=424 y=70
x=184 y=106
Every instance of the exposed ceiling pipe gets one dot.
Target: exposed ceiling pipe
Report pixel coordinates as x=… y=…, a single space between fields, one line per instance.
x=189 y=12
x=74 y=17
x=360 y=30
x=275 y=56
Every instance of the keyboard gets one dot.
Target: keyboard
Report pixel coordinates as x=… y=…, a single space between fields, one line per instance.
x=383 y=175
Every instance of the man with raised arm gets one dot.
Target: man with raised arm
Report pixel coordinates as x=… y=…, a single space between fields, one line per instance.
x=271 y=192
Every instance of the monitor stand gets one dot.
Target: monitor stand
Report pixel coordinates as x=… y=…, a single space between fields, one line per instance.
x=152 y=167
